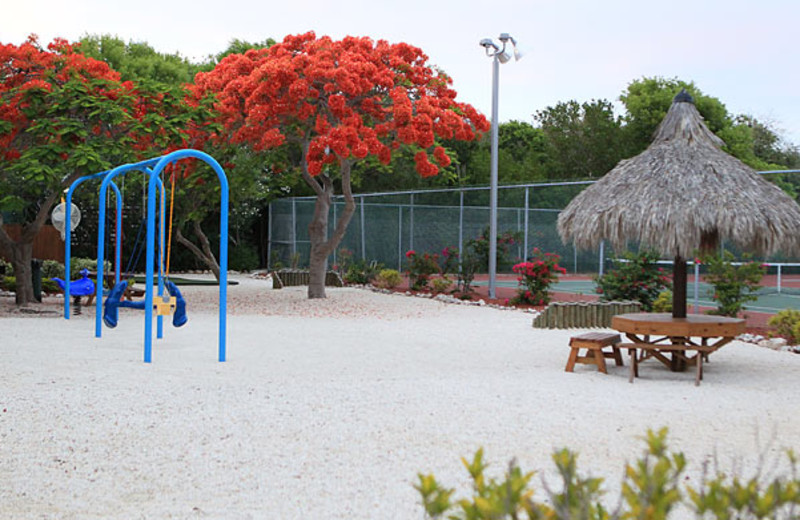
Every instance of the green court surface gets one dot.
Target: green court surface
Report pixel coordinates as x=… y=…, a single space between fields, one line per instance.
x=770 y=302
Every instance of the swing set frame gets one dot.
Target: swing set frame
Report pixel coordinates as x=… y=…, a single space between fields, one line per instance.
x=151 y=168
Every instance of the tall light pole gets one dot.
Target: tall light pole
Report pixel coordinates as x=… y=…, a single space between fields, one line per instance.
x=499 y=55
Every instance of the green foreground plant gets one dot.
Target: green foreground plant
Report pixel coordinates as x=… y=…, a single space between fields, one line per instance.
x=786 y=324
x=651 y=490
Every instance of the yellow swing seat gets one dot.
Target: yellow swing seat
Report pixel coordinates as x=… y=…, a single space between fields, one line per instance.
x=164 y=306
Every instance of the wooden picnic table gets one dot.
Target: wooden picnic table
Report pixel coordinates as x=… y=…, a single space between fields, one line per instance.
x=675 y=342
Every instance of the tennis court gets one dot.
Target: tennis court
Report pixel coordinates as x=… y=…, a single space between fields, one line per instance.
x=772 y=297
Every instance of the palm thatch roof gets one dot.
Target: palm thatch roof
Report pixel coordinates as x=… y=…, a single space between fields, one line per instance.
x=683 y=193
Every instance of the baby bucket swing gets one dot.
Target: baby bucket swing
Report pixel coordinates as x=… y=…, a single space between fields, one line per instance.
x=172 y=303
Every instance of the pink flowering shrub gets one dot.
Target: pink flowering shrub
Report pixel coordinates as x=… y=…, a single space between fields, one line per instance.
x=535 y=277
x=420 y=269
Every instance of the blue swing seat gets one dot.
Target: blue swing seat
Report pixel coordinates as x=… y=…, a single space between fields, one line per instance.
x=115 y=301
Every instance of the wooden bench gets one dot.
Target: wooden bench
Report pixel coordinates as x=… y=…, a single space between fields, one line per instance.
x=594 y=343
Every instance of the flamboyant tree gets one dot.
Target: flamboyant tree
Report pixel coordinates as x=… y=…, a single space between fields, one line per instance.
x=330 y=103
x=63 y=115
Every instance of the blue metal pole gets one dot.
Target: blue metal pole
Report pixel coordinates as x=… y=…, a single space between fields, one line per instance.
x=223 y=245
x=148 y=298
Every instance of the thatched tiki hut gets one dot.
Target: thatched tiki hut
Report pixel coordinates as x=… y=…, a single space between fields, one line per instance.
x=681 y=195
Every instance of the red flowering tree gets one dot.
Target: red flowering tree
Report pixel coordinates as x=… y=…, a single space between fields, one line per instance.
x=63 y=115
x=330 y=103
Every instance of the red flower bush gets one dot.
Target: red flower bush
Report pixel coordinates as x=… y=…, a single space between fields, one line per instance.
x=536 y=276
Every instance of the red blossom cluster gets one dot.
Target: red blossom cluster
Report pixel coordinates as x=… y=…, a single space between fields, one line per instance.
x=110 y=108
x=344 y=99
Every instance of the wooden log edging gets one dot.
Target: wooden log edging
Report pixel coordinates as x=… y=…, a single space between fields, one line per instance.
x=582 y=315
x=294 y=277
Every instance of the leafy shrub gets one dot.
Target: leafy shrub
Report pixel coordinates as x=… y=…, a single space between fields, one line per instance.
x=275 y=261
x=52 y=269
x=634 y=277
x=536 y=276
x=664 y=302
x=441 y=285
x=787 y=325
x=388 y=279
x=362 y=272
x=734 y=285
x=50 y=287
x=8 y=283
x=76 y=264
x=420 y=268
x=344 y=257
x=651 y=489
x=480 y=248
x=243 y=257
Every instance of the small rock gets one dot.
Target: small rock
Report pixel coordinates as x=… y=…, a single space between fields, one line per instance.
x=772 y=343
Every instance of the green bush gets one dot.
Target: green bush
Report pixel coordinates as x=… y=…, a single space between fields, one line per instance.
x=734 y=285
x=50 y=287
x=651 y=490
x=635 y=277
x=441 y=285
x=8 y=283
x=420 y=269
x=664 y=302
x=362 y=272
x=77 y=264
x=388 y=279
x=52 y=269
x=243 y=257
x=786 y=324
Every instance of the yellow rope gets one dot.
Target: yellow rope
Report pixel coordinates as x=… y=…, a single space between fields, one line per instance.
x=174 y=178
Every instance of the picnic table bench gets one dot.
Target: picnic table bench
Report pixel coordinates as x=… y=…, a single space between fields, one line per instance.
x=595 y=344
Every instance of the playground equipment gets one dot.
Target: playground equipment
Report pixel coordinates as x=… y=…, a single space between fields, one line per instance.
x=153 y=304
x=83 y=286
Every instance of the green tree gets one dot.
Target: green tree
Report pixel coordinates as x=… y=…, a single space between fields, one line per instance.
x=63 y=115
x=252 y=179
x=583 y=139
x=137 y=61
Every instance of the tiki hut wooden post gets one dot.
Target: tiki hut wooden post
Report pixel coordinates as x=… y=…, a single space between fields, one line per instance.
x=683 y=194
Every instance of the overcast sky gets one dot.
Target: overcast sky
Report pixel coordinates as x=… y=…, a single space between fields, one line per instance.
x=743 y=52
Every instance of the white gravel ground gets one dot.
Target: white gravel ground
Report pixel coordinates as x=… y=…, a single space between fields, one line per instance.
x=328 y=409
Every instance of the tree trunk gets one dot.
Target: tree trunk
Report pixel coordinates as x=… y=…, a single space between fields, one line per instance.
x=205 y=254
x=321 y=245
x=21 y=251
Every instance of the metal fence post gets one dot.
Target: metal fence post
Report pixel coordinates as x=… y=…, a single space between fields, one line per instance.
x=294 y=227
x=269 y=236
x=411 y=223
x=399 y=237
x=363 y=233
x=460 y=226
x=779 y=278
x=334 y=226
x=525 y=238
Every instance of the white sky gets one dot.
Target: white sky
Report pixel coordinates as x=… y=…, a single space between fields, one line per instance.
x=741 y=51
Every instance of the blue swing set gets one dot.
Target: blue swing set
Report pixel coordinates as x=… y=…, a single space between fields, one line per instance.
x=161 y=304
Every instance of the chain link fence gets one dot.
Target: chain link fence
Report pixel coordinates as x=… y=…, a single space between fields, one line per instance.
x=386 y=225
